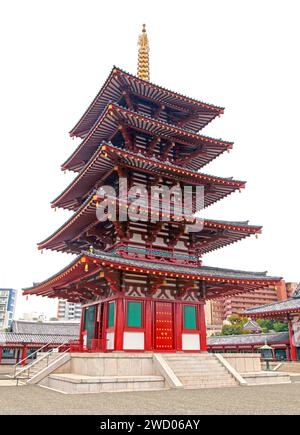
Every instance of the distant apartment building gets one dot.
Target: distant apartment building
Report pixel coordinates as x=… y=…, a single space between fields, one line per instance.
x=68 y=310
x=220 y=309
x=7 y=307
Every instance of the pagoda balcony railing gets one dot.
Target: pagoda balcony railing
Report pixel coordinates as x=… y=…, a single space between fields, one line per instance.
x=94 y=345
x=156 y=207
x=157 y=255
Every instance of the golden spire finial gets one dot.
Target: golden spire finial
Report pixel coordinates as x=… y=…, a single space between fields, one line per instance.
x=143 y=59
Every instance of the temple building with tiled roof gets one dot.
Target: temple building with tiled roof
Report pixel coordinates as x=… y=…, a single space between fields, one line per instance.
x=25 y=338
x=288 y=310
x=251 y=343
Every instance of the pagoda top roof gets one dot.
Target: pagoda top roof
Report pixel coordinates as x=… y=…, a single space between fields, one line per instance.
x=107 y=156
x=107 y=125
x=119 y=81
x=219 y=282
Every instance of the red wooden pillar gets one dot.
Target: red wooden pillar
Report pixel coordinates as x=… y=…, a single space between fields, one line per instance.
x=0 y=354
x=119 y=324
x=104 y=326
x=149 y=317
x=292 y=346
x=203 y=345
x=178 y=326
x=81 y=326
x=24 y=355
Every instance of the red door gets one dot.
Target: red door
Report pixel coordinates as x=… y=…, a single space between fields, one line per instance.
x=164 y=326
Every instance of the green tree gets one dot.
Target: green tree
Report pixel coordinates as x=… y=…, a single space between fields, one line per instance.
x=232 y=330
x=280 y=327
x=268 y=325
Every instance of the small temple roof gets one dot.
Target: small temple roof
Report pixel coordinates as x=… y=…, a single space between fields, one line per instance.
x=248 y=339
x=49 y=328
x=100 y=166
x=222 y=282
x=40 y=333
x=119 y=81
x=107 y=126
x=276 y=309
x=251 y=325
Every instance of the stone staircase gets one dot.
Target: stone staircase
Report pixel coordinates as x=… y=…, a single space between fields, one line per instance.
x=26 y=374
x=292 y=368
x=199 y=370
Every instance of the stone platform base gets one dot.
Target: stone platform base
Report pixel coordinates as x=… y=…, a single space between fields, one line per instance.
x=134 y=371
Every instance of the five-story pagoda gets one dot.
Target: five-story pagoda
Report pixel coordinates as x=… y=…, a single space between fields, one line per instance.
x=138 y=271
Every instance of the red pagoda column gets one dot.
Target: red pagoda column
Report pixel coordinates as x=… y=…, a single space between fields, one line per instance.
x=148 y=325
x=292 y=346
x=0 y=354
x=178 y=323
x=203 y=345
x=24 y=355
x=119 y=327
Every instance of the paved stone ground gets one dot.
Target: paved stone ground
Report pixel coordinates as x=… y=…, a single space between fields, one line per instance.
x=273 y=399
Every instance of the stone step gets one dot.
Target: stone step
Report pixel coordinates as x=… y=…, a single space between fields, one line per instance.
x=215 y=385
x=204 y=378
x=198 y=380
x=290 y=367
x=295 y=379
x=196 y=367
x=194 y=363
x=209 y=384
x=197 y=364
x=21 y=383
x=188 y=358
x=199 y=372
x=76 y=384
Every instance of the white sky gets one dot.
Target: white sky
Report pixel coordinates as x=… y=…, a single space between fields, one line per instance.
x=55 y=57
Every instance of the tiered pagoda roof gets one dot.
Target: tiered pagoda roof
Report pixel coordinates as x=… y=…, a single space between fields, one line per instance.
x=107 y=156
x=197 y=149
x=120 y=83
x=214 y=235
x=218 y=282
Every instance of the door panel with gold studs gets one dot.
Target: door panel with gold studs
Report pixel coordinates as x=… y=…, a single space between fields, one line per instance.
x=164 y=328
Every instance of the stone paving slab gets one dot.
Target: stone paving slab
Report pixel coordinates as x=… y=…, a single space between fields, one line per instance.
x=7 y=383
x=272 y=399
